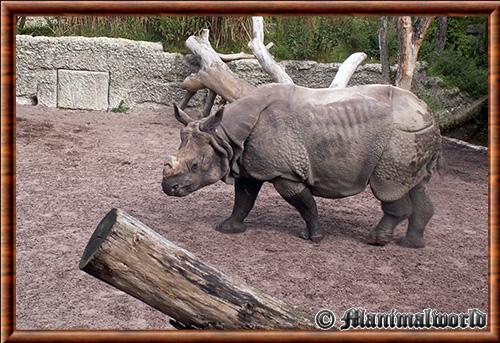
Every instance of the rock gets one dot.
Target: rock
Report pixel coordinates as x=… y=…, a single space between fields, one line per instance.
x=80 y=89
x=139 y=72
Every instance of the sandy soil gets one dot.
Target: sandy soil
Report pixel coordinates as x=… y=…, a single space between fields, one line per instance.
x=74 y=166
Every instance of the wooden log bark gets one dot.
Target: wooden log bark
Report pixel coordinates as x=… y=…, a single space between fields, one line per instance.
x=346 y=69
x=130 y=256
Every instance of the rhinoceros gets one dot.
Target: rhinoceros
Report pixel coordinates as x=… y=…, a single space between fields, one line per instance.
x=308 y=142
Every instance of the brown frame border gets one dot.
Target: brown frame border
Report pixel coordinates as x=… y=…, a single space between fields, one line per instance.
x=8 y=154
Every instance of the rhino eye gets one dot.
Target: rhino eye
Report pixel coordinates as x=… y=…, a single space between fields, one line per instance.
x=194 y=167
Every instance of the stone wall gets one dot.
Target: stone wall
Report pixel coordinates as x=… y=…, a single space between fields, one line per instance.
x=99 y=73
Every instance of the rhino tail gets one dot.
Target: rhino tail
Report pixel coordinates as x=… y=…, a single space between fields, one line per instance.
x=436 y=164
x=442 y=166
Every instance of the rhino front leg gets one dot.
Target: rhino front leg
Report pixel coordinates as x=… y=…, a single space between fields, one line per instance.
x=299 y=196
x=394 y=213
x=245 y=193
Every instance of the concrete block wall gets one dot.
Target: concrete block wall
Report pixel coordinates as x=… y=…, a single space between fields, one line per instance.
x=96 y=73
x=99 y=73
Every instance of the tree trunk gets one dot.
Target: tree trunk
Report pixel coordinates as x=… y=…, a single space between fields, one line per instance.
x=130 y=256
x=406 y=65
x=384 y=49
x=441 y=34
x=410 y=38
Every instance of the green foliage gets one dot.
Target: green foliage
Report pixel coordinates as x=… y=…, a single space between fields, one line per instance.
x=135 y=28
x=434 y=102
x=227 y=34
x=121 y=108
x=36 y=31
x=459 y=71
x=464 y=62
x=324 y=39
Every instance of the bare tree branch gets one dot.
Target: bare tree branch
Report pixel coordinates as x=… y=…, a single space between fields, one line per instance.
x=265 y=59
x=241 y=55
x=209 y=103
x=346 y=70
x=235 y=57
x=186 y=99
x=420 y=30
x=258 y=28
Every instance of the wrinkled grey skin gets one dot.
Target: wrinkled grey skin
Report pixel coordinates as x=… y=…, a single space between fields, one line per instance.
x=324 y=142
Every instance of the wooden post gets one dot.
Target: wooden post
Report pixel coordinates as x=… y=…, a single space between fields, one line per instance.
x=130 y=256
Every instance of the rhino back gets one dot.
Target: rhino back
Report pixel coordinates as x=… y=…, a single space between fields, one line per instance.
x=332 y=146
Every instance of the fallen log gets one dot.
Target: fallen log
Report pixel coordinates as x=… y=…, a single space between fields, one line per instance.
x=450 y=122
x=130 y=256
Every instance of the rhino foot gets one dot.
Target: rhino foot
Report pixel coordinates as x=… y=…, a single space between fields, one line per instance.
x=378 y=238
x=315 y=237
x=230 y=226
x=415 y=243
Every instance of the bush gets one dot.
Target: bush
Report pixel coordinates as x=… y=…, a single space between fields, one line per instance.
x=459 y=71
x=323 y=39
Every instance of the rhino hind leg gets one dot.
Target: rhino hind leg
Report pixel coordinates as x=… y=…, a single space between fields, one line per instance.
x=299 y=196
x=245 y=194
x=394 y=213
x=423 y=210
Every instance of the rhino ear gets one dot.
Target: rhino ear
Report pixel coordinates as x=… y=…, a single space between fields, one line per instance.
x=212 y=121
x=181 y=116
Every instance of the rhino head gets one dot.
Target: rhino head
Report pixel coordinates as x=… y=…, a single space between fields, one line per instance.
x=201 y=159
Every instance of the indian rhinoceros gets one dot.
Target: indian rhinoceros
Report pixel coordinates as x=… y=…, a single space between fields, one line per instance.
x=330 y=143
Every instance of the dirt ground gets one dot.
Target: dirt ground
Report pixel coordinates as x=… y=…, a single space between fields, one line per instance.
x=74 y=166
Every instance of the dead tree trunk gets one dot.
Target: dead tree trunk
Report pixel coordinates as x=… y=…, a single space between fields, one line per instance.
x=441 y=34
x=215 y=75
x=130 y=256
x=384 y=49
x=410 y=38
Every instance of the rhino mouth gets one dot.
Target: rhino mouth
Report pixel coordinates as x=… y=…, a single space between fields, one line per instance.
x=176 y=190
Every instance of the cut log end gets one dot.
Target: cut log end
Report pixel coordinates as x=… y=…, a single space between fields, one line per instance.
x=98 y=237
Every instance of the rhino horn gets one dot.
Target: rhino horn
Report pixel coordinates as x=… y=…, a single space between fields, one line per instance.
x=211 y=122
x=182 y=116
